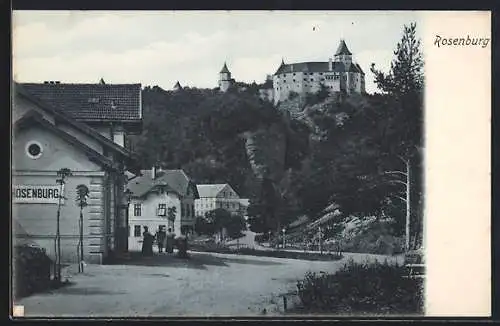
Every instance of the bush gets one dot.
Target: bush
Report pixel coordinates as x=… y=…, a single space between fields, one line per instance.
x=374 y=244
x=375 y=288
x=263 y=237
x=32 y=269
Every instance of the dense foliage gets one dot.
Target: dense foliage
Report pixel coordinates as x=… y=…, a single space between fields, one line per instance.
x=347 y=149
x=361 y=289
x=32 y=269
x=217 y=220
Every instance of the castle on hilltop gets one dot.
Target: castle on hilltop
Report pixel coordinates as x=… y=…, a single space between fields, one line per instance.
x=337 y=74
x=225 y=80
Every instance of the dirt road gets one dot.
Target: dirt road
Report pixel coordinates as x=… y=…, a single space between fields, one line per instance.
x=205 y=285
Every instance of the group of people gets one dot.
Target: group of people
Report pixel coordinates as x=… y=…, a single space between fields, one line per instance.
x=164 y=240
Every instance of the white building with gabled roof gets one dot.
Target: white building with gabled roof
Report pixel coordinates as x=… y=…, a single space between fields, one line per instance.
x=212 y=196
x=156 y=197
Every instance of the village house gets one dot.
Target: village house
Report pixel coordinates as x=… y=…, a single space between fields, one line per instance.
x=212 y=196
x=83 y=128
x=161 y=198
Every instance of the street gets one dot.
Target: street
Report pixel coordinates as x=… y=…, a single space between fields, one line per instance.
x=207 y=284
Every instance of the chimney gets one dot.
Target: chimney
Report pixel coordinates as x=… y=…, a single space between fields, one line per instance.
x=330 y=64
x=153 y=172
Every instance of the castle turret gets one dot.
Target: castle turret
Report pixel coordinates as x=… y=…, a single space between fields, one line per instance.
x=343 y=54
x=224 y=78
x=177 y=86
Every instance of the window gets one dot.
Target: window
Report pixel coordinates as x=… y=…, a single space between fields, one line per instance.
x=312 y=79
x=162 y=210
x=34 y=149
x=192 y=210
x=137 y=209
x=336 y=77
x=137 y=231
x=183 y=211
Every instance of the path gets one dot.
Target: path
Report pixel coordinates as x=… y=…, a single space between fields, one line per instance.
x=205 y=285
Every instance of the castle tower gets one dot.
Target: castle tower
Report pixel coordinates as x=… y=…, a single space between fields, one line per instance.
x=177 y=86
x=224 y=78
x=343 y=54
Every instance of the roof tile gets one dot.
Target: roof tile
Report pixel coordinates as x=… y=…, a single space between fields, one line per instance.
x=90 y=102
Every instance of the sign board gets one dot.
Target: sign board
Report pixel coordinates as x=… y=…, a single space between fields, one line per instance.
x=36 y=194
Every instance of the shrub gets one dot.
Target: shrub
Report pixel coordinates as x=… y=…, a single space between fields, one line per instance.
x=32 y=269
x=373 y=288
x=263 y=237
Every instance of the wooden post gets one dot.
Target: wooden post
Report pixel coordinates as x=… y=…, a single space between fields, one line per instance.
x=81 y=239
x=319 y=240
x=408 y=207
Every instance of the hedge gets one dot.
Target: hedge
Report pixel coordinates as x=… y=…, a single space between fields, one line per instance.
x=32 y=269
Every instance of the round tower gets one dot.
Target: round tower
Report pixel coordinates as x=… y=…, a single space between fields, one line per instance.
x=224 y=78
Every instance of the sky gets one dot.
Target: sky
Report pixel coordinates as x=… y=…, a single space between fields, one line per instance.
x=162 y=47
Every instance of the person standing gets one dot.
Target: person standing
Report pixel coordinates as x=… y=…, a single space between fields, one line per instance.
x=170 y=239
x=147 y=243
x=160 y=238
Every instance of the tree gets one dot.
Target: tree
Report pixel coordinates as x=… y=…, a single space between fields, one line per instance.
x=404 y=83
x=203 y=227
x=220 y=219
x=171 y=214
x=235 y=225
x=62 y=174
x=406 y=73
x=82 y=194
